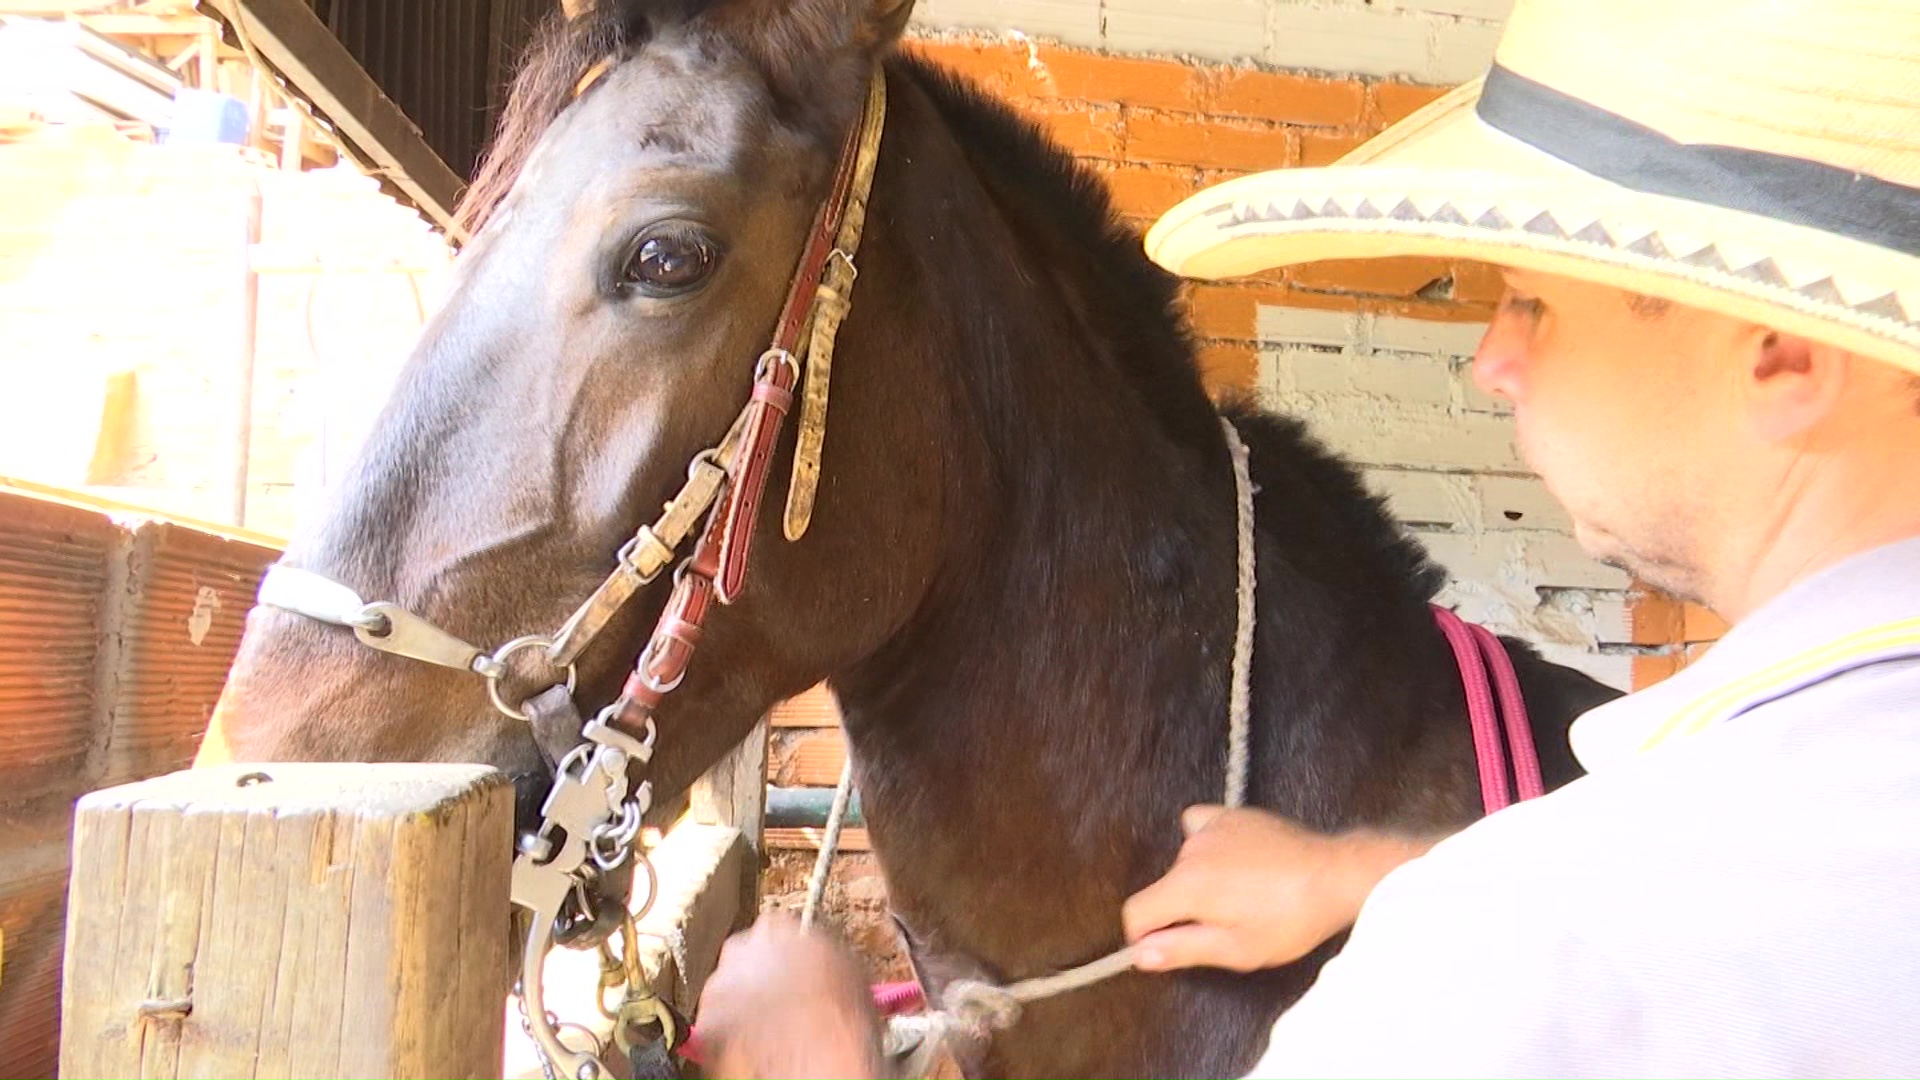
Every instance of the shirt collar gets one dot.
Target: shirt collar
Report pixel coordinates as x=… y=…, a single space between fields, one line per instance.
x=1770 y=653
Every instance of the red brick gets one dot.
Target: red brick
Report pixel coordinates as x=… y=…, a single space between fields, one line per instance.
x=1657 y=618
x=1084 y=76
x=1293 y=99
x=996 y=66
x=1699 y=624
x=1392 y=102
x=1651 y=669
x=1229 y=312
x=1229 y=365
x=1148 y=191
x=1398 y=277
x=1326 y=301
x=1087 y=132
x=1431 y=310
x=1181 y=140
x=1477 y=283
x=1323 y=148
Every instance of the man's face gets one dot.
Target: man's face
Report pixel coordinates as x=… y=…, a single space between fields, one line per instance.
x=1628 y=408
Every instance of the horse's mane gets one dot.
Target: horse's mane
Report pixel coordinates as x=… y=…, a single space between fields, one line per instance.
x=1136 y=307
x=1134 y=304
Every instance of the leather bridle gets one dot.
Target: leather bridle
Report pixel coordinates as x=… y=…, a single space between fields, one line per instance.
x=591 y=818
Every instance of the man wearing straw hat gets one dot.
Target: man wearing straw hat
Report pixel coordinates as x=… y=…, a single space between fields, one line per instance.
x=1708 y=214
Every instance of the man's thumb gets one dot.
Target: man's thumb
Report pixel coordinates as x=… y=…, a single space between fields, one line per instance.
x=1195 y=818
x=1185 y=946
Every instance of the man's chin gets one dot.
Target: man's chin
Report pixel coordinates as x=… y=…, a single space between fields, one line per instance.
x=1670 y=576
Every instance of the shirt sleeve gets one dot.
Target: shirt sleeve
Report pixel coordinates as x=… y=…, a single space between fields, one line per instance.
x=1458 y=966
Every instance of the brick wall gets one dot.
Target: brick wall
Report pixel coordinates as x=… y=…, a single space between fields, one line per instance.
x=1435 y=41
x=1160 y=130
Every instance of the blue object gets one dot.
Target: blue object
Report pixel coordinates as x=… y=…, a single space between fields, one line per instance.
x=205 y=116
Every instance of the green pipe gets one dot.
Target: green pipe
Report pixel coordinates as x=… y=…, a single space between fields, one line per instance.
x=806 y=808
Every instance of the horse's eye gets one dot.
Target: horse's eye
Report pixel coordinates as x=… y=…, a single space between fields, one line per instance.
x=668 y=263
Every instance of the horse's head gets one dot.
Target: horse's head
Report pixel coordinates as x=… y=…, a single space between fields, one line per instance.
x=660 y=166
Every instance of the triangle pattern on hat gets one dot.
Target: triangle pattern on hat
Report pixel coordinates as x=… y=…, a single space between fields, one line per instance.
x=1366 y=211
x=1766 y=272
x=1651 y=246
x=1545 y=224
x=1595 y=233
x=1887 y=307
x=1493 y=219
x=1707 y=258
x=1406 y=211
x=1824 y=291
x=1447 y=215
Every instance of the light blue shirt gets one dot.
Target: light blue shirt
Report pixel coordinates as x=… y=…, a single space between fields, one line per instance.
x=1742 y=898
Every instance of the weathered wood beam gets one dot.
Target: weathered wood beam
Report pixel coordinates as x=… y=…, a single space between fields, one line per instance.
x=293 y=41
x=290 y=920
x=734 y=793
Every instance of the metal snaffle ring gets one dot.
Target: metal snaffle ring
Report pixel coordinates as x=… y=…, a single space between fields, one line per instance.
x=498 y=671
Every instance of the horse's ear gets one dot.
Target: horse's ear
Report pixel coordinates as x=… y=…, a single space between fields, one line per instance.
x=803 y=44
x=890 y=19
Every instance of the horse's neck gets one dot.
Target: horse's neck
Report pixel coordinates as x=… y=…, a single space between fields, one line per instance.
x=1064 y=681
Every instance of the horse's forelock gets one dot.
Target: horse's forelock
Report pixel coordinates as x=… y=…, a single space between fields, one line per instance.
x=793 y=42
x=562 y=53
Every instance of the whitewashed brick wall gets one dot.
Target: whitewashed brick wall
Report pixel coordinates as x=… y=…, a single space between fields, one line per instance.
x=1395 y=396
x=1430 y=41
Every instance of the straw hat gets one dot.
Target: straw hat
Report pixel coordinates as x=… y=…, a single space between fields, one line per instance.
x=1755 y=157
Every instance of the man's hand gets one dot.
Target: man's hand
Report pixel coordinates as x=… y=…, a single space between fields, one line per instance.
x=1251 y=890
x=784 y=1002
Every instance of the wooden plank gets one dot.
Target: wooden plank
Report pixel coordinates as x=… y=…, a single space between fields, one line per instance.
x=808 y=758
x=812 y=708
x=734 y=791
x=140 y=25
x=809 y=839
x=330 y=920
x=734 y=794
x=292 y=40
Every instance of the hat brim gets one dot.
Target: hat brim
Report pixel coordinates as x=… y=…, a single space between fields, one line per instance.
x=1444 y=183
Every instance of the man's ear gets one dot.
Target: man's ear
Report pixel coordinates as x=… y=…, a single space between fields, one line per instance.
x=1793 y=384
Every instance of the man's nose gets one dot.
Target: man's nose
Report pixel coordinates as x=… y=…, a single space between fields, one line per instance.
x=1499 y=364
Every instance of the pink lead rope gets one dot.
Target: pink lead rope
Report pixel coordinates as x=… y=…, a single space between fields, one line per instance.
x=1478 y=653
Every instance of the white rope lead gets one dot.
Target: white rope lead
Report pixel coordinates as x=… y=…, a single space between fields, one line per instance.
x=1240 y=696
x=829 y=844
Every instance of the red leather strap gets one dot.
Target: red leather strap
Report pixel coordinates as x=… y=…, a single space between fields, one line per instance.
x=772 y=397
x=717 y=569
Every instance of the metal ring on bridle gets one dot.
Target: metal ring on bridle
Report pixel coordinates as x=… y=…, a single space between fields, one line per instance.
x=610 y=716
x=780 y=356
x=647 y=679
x=610 y=844
x=498 y=671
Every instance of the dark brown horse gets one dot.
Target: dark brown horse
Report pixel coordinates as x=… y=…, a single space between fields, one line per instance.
x=1020 y=576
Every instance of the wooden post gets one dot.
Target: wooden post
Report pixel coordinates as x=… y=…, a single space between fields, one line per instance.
x=734 y=793
x=290 y=920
